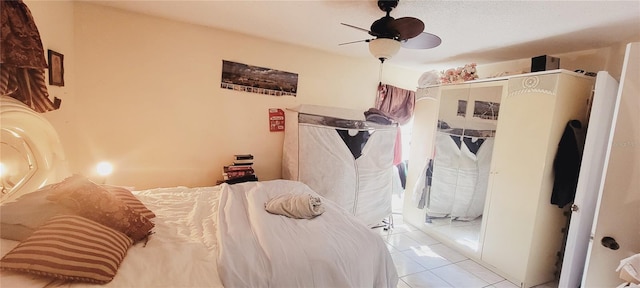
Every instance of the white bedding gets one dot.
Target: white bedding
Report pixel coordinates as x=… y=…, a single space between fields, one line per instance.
x=181 y=253
x=258 y=249
x=254 y=248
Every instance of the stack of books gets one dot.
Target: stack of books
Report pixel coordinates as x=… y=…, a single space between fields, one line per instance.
x=240 y=171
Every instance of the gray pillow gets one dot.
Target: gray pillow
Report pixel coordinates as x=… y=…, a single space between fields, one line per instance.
x=19 y=218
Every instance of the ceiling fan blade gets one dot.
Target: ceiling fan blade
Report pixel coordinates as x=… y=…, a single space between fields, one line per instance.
x=423 y=41
x=366 y=40
x=382 y=28
x=407 y=27
x=355 y=27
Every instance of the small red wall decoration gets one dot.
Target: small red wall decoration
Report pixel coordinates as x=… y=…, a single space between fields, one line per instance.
x=276 y=120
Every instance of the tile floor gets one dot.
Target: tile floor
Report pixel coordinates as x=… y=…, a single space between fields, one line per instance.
x=422 y=261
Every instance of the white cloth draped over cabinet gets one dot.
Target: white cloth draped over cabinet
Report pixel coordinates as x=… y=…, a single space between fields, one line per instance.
x=347 y=161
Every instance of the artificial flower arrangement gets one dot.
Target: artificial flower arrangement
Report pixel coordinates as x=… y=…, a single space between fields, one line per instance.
x=460 y=74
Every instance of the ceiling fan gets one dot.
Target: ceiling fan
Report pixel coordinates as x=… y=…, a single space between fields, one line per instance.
x=391 y=33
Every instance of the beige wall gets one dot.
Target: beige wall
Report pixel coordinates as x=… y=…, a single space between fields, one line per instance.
x=55 y=24
x=593 y=60
x=144 y=93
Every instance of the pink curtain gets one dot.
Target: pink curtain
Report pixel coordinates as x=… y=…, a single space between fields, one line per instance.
x=396 y=102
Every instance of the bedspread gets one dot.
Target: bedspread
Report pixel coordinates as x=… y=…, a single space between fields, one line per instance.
x=181 y=252
x=259 y=249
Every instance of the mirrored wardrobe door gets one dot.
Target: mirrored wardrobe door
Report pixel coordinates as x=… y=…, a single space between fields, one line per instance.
x=479 y=136
x=446 y=155
x=421 y=153
x=463 y=144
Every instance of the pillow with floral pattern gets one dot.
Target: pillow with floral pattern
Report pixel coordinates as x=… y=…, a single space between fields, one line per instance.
x=88 y=199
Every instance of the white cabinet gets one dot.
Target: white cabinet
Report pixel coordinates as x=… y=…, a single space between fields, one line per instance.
x=521 y=230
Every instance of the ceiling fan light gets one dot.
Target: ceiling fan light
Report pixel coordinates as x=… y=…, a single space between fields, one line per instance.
x=383 y=48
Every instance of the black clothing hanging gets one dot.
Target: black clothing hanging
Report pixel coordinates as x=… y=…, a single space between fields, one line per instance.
x=566 y=165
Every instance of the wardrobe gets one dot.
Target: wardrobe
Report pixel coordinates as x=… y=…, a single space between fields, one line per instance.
x=518 y=233
x=342 y=157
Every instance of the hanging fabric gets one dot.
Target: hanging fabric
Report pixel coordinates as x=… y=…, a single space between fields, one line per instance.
x=396 y=102
x=22 y=60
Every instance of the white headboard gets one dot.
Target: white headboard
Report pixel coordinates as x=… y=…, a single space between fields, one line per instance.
x=30 y=150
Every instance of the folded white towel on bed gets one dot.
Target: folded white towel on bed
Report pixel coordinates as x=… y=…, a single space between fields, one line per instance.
x=300 y=206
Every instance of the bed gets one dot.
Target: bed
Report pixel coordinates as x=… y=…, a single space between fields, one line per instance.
x=219 y=236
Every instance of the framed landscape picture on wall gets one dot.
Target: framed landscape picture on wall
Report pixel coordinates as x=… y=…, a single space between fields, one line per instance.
x=254 y=79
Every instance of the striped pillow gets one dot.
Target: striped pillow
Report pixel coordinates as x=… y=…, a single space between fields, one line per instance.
x=71 y=248
x=128 y=198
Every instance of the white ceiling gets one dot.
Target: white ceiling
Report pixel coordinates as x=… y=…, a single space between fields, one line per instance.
x=471 y=31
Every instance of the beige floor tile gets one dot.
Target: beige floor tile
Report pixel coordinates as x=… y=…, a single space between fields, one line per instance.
x=400 y=241
x=479 y=271
x=426 y=257
x=405 y=265
x=425 y=279
x=448 y=253
x=421 y=237
x=458 y=277
x=503 y=284
x=421 y=261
